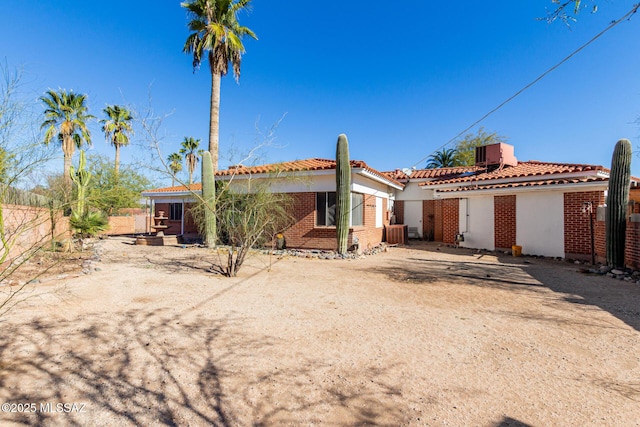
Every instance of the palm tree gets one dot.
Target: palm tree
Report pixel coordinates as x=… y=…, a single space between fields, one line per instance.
x=175 y=165
x=189 y=151
x=215 y=31
x=444 y=158
x=117 y=129
x=66 y=118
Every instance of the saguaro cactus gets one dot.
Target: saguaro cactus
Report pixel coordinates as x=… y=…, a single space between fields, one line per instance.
x=343 y=193
x=617 y=200
x=209 y=196
x=81 y=178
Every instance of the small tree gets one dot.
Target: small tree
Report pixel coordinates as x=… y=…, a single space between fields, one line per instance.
x=246 y=220
x=466 y=147
x=110 y=193
x=23 y=215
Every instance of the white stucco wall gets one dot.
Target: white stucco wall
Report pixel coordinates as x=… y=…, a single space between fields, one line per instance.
x=379 y=213
x=320 y=181
x=479 y=223
x=540 y=223
x=413 y=214
x=411 y=191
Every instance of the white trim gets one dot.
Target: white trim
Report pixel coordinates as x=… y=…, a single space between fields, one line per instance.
x=377 y=178
x=566 y=188
x=273 y=175
x=530 y=178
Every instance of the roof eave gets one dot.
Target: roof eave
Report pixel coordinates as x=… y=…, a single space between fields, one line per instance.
x=376 y=177
x=577 y=186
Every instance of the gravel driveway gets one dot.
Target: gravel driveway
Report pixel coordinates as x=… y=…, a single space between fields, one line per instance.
x=423 y=335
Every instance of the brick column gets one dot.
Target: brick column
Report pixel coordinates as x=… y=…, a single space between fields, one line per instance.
x=504 y=222
x=450 y=220
x=577 y=233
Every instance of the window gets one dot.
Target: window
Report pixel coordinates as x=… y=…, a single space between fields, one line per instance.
x=175 y=211
x=326 y=209
x=357 y=209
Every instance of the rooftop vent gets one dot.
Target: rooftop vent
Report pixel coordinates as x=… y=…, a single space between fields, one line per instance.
x=500 y=154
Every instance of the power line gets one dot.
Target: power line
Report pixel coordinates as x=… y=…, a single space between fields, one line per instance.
x=627 y=16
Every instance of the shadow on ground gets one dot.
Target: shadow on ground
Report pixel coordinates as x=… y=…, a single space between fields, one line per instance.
x=156 y=367
x=621 y=299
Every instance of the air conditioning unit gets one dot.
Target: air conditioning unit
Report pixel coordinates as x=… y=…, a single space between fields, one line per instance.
x=500 y=154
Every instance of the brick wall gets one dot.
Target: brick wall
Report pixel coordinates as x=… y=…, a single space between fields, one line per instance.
x=577 y=233
x=398 y=211
x=369 y=236
x=121 y=225
x=504 y=221
x=438 y=221
x=632 y=249
x=601 y=241
x=304 y=233
x=428 y=220
x=450 y=220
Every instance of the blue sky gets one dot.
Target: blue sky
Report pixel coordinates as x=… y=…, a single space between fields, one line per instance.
x=400 y=79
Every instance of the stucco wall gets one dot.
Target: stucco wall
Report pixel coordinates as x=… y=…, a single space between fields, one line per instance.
x=540 y=223
x=413 y=215
x=29 y=228
x=413 y=191
x=480 y=223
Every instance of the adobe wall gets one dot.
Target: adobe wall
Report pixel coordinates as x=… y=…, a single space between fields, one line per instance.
x=28 y=228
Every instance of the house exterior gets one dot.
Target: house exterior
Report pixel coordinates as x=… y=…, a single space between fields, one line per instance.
x=546 y=208
x=311 y=183
x=541 y=207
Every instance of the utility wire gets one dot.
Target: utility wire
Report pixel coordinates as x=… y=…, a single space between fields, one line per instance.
x=627 y=16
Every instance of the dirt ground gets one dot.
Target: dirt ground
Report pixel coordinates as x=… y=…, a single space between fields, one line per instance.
x=414 y=336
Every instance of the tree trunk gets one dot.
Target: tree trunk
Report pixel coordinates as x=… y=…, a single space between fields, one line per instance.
x=191 y=165
x=67 y=149
x=214 y=119
x=117 y=165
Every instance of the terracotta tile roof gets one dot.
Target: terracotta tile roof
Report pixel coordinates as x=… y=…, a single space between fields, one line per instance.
x=431 y=173
x=284 y=167
x=302 y=166
x=293 y=166
x=531 y=169
x=176 y=189
x=536 y=183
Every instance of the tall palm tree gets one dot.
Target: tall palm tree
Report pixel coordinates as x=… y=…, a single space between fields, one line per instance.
x=215 y=31
x=189 y=150
x=175 y=165
x=444 y=158
x=117 y=128
x=66 y=119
